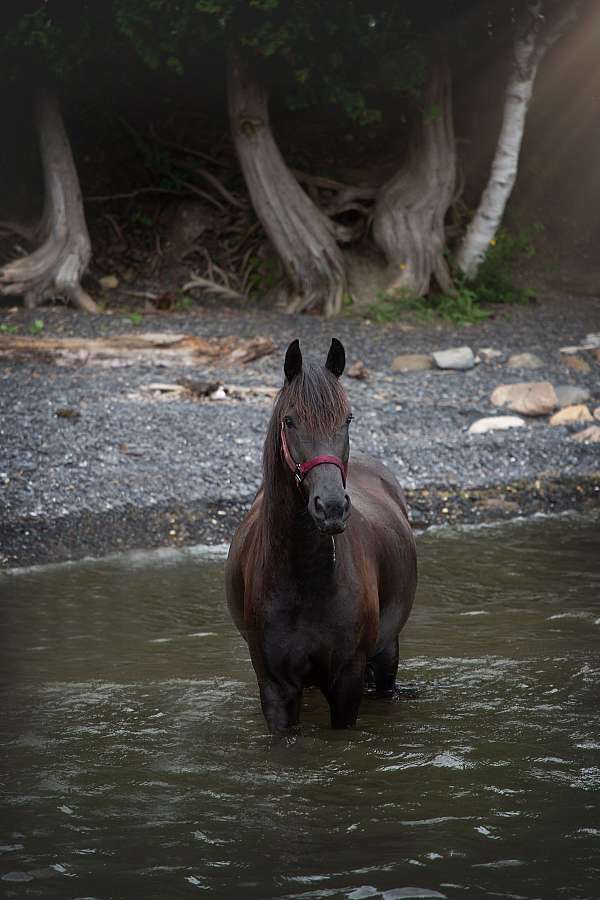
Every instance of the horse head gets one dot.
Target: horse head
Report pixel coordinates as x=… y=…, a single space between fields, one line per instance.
x=313 y=421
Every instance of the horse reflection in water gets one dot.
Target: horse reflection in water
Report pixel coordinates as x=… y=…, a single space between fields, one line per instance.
x=321 y=573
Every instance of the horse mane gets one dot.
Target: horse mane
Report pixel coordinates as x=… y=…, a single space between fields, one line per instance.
x=320 y=403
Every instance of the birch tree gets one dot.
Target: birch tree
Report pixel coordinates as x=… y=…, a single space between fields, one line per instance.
x=536 y=33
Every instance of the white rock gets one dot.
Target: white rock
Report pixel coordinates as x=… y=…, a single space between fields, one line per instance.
x=592 y=340
x=496 y=423
x=164 y=387
x=219 y=394
x=455 y=358
x=488 y=354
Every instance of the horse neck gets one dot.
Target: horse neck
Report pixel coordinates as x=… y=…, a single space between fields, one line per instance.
x=292 y=538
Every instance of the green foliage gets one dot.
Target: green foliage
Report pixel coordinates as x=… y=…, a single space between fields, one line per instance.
x=184 y=303
x=37 y=326
x=493 y=284
x=5 y=328
x=494 y=281
x=136 y=318
x=461 y=308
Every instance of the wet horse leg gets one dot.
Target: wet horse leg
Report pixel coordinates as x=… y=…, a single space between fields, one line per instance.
x=345 y=694
x=385 y=669
x=280 y=705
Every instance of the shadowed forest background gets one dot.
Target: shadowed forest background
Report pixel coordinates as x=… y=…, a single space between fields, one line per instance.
x=352 y=96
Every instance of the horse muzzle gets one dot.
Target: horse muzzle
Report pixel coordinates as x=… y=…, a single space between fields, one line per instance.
x=331 y=516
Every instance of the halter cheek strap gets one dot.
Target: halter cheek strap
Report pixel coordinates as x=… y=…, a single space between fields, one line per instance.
x=301 y=470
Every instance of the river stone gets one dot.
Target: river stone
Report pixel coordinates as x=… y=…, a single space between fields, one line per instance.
x=530 y=398
x=592 y=340
x=411 y=362
x=455 y=358
x=358 y=370
x=589 y=435
x=488 y=354
x=17 y=876
x=597 y=413
x=496 y=423
x=524 y=361
x=577 y=364
x=570 y=394
x=576 y=413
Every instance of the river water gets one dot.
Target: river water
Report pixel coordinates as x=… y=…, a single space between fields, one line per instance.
x=136 y=765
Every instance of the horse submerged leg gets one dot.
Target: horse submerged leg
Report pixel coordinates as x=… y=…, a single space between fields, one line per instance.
x=280 y=705
x=345 y=694
x=385 y=669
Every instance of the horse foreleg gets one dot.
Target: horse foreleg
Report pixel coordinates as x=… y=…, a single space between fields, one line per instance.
x=345 y=694
x=280 y=705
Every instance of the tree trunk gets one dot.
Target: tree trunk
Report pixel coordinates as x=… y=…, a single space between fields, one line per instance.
x=409 y=214
x=531 y=43
x=56 y=267
x=301 y=235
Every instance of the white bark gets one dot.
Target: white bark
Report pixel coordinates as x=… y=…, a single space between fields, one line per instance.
x=530 y=46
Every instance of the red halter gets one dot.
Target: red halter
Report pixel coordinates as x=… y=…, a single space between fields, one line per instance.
x=301 y=470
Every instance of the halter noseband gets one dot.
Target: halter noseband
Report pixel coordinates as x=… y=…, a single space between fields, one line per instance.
x=301 y=470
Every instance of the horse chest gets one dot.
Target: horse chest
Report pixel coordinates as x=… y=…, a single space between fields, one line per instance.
x=311 y=629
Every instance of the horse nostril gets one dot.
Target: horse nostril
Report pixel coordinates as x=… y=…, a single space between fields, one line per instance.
x=319 y=508
x=346 y=503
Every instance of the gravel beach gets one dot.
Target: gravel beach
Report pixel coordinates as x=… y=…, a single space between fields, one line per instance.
x=131 y=467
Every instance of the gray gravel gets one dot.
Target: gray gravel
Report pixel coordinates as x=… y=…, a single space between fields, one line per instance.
x=160 y=457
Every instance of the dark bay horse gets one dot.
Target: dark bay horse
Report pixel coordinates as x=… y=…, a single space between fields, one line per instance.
x=321 y=573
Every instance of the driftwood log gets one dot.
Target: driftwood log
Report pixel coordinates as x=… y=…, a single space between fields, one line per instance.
x=164 y=349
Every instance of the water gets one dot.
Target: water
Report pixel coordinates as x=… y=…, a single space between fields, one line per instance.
x=136 y=764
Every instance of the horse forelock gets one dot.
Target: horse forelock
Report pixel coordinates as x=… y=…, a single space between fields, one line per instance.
x=317 y=398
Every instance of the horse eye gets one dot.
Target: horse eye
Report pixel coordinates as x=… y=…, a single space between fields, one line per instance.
x=288 y=421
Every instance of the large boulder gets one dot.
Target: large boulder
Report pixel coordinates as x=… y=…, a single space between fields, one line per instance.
x=529 y=398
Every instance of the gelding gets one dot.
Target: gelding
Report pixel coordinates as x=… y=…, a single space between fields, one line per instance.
x=321 y=573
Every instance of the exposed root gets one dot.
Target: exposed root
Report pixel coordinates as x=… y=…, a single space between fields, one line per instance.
x=56 y=267
x=212 y=287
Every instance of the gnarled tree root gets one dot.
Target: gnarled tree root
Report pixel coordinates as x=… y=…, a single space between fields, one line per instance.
x=58 y=264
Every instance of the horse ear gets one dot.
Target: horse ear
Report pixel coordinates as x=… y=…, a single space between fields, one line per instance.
x=336 y=358
x=293 y=360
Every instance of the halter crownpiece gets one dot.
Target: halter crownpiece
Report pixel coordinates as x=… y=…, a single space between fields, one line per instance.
x=301 y=470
